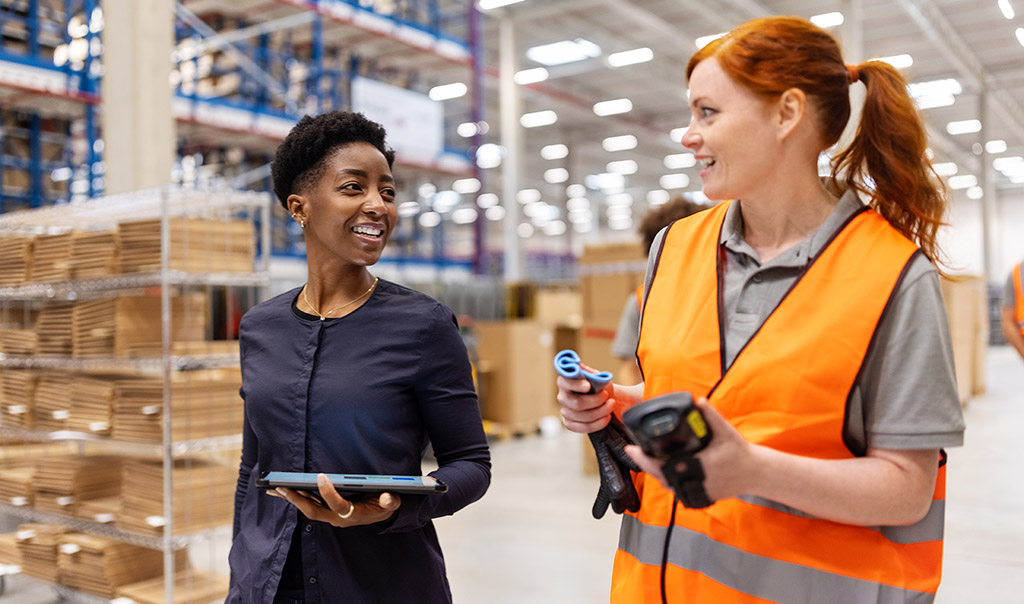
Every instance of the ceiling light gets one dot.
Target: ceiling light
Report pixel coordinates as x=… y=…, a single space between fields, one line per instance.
x=620 y=223
x=898 y=61
x=619 y=143
x=658 y=197
x=975 y=193
x=606 y=181
x=826 y=20
x=945 y=169
x=1005 y=164
x=964 y=181
x=677 y=134
x=618 y=211
x=430 y=219
x=575 y=204
x=409 y=208
x=630 y=57
x=487 y=200
x=530 y=76
x=524 y=230
x=945 y=86
x=494 y=213
x=625 y=166
x=580 y=215
x=554 y=151
x=556 y=175
x=466 y=185
x=464 y=216
x=996 y=146
x=538 y=118
x=554 y=228
x=489 y=155
x=491 y=4
x=467 y=129
x=963 y=127
x=565 y=51
x=679 y=161
x=1020 y=35
x=674 y=181
x=528 y=196
x=1006 y=9
x=619 y=199
x=612 y=107
x=445 y=92
x=576 y=190
x=702 y=41
x=934 y=101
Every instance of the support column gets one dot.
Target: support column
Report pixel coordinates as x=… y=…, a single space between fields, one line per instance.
x=138 y=127
x=989 y=197
x=510 y=139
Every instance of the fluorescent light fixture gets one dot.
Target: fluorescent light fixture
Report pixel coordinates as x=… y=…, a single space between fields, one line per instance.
x=554 y=151
x=492 y=4
x=898 y=61
x=618 y=212
x=946 y=169
x=430 y=219
x=674 y=181
x=409 y=208
x=565 y=51
x=445 y=92
x=612 y=107
x=580 y=215
x=658 y=197
x=444 y=201
x=487 y=200
x=963 y=181
x=963 y=127
x=464 y=216
x=606 y=182
x=538 y=118
x=996 y=146
x=934 y=101
x=1007 y=164
x=619 y=143
x=677 y=134
x=576 y=190
x=630 y=57
x=556 y=175
x=554 y=228
x=702 y=41
x=530 y=76
x=620 y=223
x=975 y=193
x=945 y=86
x=528 y=196
x=1006 y=9
x=619 y=199
x=826 y=20
x=577 y=203
x=489 y=155
x=494 y=213
x=1020 y=35
x=524 y=230
x=624 y=166
x=679 y=161
x=466 y=185
x=467 y=129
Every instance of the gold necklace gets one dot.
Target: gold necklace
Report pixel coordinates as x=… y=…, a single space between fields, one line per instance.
x=323 y=317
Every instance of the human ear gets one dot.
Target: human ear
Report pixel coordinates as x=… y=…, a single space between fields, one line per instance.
x=791 y=107
x=296 y=207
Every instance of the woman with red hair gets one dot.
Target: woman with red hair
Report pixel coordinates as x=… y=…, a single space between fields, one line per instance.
x=805 y=316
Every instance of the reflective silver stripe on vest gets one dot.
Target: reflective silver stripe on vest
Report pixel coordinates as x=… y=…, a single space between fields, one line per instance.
x=929 y=528
x=755 y=575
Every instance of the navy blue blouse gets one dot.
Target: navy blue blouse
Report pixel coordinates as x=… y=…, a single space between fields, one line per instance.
x=359 y=394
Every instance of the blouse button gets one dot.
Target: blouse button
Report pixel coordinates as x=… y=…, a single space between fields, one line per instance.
x=757 y=278
x=312 y=580
x=309 y=528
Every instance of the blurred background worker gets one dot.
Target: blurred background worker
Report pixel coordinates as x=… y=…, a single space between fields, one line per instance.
x=628 y=332
x=1013 y=309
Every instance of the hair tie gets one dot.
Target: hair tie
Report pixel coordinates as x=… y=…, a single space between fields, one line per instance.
x=853 y=73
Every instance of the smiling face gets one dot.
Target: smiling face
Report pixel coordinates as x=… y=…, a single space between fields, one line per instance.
x=731 y=133
x=350 y=208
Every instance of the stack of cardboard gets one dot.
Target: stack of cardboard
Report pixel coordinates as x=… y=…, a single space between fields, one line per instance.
x=967 y=310
x=9 y=553
x=609 y=276
x=15 y=255
x=203 y=404
x=18 y=341
x=52 y=401
x=62 y=482
x=37 y=544
x=51 y=259
x=53 y=329
x=101 y=509
x=190 y=587
x=196 y=245
x=519 y=386
x=129 y=326
x=16 y=485
x=100 y=566
x=92 y=403
x=19 y=391
x=201 y=499
x=93 y=254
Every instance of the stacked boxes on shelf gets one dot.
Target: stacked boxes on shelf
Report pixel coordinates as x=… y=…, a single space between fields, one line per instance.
x=967 y=311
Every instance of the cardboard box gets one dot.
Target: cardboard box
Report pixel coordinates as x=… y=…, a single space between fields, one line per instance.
x=967 y=312
x=520 y=385
x=558 y=307
x=609 y=275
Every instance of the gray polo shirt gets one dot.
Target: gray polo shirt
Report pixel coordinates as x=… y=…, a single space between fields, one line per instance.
x=906 y=397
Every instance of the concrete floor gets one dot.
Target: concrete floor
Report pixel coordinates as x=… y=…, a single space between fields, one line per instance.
x=532 y=539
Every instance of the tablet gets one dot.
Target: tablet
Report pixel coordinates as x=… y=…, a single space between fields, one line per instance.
x=374 y=483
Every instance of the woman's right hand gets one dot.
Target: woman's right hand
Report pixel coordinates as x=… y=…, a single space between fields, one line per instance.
x=340 y=512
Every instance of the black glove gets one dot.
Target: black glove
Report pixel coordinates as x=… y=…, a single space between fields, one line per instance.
x=613 y=467
x=688 y=484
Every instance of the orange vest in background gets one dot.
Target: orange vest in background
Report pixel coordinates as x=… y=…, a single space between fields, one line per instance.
x=1018 y=287
x=787 y=389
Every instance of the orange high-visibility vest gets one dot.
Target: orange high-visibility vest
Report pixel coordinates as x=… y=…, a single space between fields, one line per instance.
x=787 y=389
x=1018 y=287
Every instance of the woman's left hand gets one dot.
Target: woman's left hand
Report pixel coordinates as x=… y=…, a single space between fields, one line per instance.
x=727 y=461
x=340 y=512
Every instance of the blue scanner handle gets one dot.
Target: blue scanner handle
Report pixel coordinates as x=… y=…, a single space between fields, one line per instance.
x=567 y=364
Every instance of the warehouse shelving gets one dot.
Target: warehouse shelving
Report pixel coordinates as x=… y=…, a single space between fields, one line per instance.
x=184 y=218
